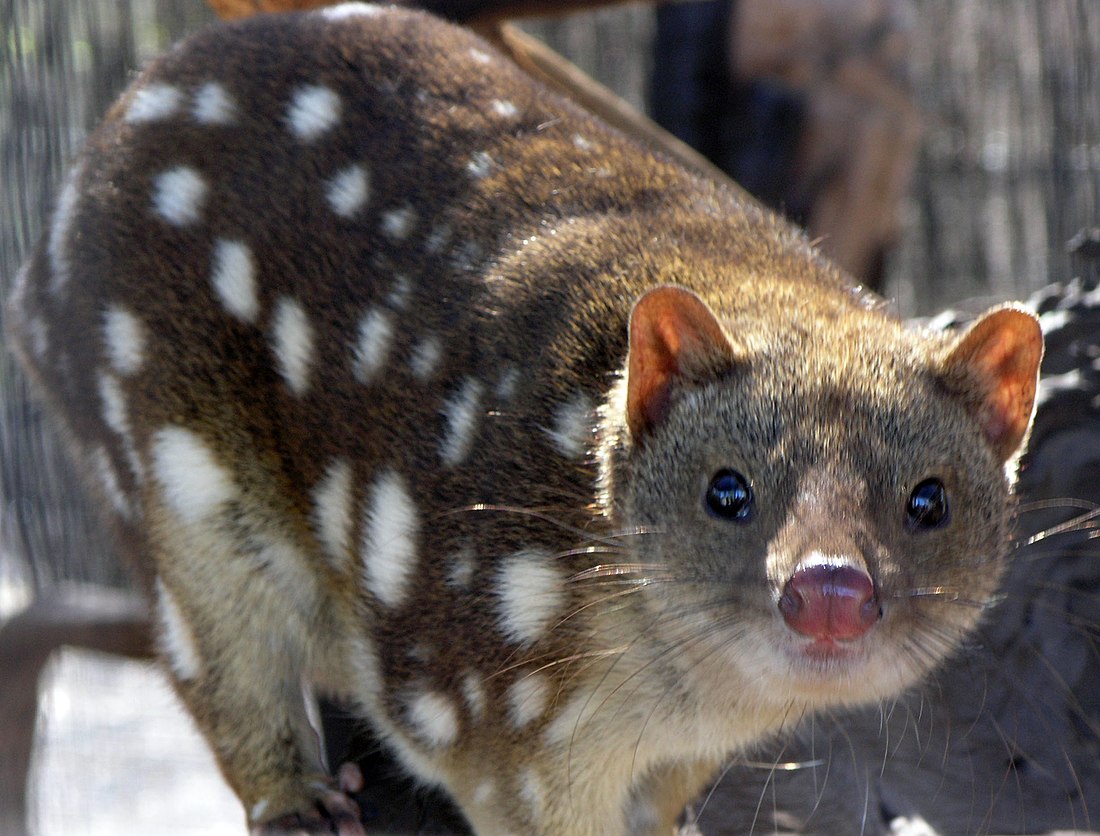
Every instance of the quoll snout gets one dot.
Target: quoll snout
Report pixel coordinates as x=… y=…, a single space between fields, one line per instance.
x=830 y=603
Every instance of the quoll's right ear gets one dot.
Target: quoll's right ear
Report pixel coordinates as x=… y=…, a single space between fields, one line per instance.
x=674 y=337
x=995 y=367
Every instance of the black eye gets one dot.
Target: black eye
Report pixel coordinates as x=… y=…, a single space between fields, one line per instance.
x=729 y=496
x=927 y=506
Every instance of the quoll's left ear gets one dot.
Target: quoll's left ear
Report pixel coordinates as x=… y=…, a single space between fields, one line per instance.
x=995 y=365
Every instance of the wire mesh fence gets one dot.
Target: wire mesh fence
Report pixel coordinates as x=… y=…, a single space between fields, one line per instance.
x=1008 y=172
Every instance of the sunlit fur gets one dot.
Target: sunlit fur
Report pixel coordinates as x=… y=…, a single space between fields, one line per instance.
x=509 y=382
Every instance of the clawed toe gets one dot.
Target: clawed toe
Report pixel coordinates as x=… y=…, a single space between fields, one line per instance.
x=333 y=812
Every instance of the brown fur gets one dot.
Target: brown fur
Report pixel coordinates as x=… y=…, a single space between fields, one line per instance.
x=656 y=647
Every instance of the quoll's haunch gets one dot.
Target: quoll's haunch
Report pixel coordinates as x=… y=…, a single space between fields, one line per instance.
x=570 y=471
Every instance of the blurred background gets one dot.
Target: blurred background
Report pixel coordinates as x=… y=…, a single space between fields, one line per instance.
x=946 y=151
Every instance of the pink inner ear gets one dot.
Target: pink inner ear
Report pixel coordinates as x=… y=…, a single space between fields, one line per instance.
x=1003 y=351
x=672 y=332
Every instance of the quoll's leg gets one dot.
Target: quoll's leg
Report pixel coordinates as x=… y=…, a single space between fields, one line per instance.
x=236 y=609
x=337 y=812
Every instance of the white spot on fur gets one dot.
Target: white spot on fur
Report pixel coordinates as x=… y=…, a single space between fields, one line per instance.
x=438 y=238
x=176 y=641
x=527 y=699
x=178 y=195
x=153 y=103
x=213 y=105
x=506 y=386
x=114 y=406
x=348 y=190
x=480 y=164
x=484 y=792
x=434 y=719
x=373 y=345
x=117 y=418
x=398 y=297
x=194 y=482
x=473 y=690
x=503 y=107
x=582 y=143
x=462 y=570
x=313 y=111
x=569 y=719
x=425 y=358
x=233 y=274
x=573 y=426
x=460 y=412
x=125 y=338
x=531 y=594
x=481 y=56
x=292 y=341
x=389 y=540
x=398 y=223
x=258 y=809
x=426 y=768
x=332 y=513
x=108 y=478
x=348 y=10
x=60 y=226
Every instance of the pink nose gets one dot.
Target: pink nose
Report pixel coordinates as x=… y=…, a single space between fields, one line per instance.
x=836 y=603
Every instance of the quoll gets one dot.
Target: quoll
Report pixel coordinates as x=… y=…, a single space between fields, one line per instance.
x=407 y=381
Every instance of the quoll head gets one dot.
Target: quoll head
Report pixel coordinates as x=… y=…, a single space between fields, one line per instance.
x=827 y=514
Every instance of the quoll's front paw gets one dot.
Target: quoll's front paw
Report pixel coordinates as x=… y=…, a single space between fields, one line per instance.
x=328 y=810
